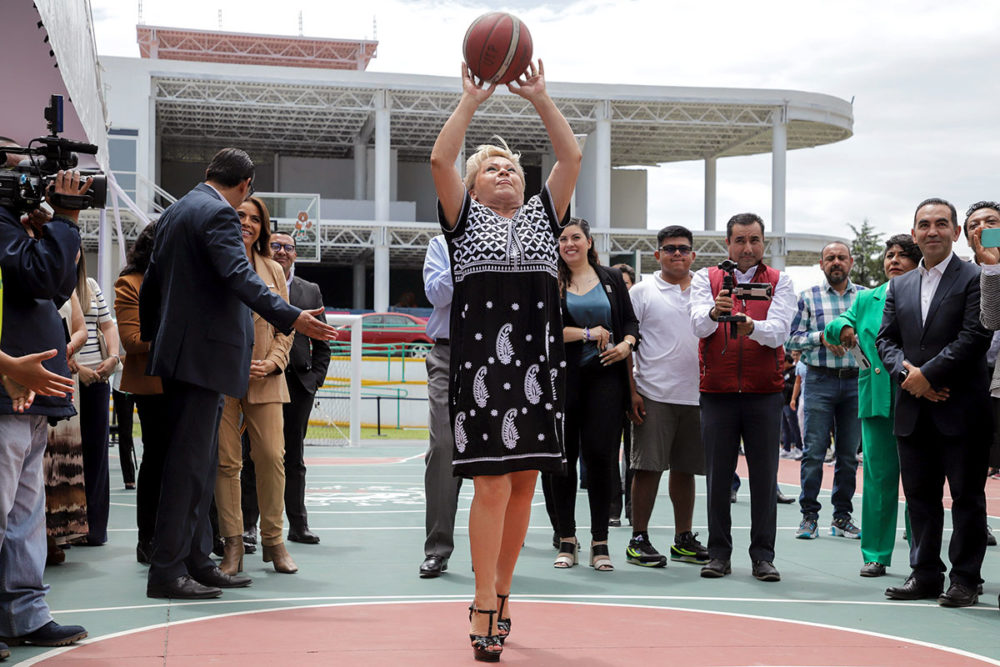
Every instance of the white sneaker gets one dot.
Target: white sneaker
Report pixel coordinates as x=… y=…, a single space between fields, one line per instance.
x=796 y=453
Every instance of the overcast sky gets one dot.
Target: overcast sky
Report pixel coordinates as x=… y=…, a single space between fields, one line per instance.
x=923 y=76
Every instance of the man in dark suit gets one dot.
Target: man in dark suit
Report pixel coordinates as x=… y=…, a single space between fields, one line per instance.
x=933 y=344
x=193 y=306
x=305 y=374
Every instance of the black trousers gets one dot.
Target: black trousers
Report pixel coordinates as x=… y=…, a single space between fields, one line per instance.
x=593 y=429
x=95 y=404
x=124 y=404
x=926 y=459
x=296 y=421
x=756 y=420
x=183 y=538
x=154 y=419
x=621 y=489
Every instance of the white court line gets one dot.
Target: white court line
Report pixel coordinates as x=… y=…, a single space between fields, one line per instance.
x=548 y=600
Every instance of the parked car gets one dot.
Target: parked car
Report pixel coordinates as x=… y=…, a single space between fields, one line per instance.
x=394 y=331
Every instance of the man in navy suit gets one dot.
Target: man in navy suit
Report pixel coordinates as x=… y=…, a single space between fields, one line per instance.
x=194 y=306
x=933 y=344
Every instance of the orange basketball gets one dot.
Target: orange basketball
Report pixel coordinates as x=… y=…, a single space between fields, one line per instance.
x=497 y=47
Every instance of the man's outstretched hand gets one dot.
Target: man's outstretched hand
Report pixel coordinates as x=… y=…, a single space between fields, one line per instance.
x=307 y=324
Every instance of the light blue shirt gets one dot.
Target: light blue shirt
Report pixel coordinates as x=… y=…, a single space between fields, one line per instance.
x=438 y=287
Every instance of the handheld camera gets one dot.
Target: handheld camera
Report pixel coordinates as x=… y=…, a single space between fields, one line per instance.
x=742 y=291
x=23 y=187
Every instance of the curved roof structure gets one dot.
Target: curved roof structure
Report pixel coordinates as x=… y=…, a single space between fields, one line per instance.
x=323 y=114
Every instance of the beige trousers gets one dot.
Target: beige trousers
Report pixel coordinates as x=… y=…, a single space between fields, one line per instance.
x=267 y=450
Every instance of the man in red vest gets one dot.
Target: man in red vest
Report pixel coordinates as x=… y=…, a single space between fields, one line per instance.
x=741 y=392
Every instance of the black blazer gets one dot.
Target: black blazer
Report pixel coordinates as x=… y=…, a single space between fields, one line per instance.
x=193 y=304
x=308 y=359
x=623 y=323
x=950 y=349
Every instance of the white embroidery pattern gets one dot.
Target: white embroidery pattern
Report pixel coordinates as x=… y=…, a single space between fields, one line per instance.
x=532 y=390
x=553 y=373
x=508 y=431
x=461 y=438
x=479 y=391
x=505 y=351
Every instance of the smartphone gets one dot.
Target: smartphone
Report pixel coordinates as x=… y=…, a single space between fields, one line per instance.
x=860 y=357
x=991 y=238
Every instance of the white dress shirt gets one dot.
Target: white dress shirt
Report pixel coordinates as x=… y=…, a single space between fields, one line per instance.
x=438 y=287
x=929 y=281
x=772 y=332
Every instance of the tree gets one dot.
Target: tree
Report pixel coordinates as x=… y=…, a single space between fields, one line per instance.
x=867 y=249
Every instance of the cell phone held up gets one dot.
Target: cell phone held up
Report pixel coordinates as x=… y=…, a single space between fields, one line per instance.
x=991 y=238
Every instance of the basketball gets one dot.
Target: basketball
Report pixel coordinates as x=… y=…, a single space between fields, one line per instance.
x=497 y=47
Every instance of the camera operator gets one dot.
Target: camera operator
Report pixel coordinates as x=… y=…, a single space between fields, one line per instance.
x=741 y=391
x=40 y=274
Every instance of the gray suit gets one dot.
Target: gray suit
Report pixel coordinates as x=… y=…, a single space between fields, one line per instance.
x=989 y=314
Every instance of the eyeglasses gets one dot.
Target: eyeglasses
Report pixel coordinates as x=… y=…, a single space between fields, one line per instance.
x=250 y=189
x=287 y=247
x=671 y=249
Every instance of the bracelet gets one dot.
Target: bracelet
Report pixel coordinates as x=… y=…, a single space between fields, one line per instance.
x=586 y=333
x=630 y=345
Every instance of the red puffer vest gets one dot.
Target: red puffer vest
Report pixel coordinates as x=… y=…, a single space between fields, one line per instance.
x=747 y=366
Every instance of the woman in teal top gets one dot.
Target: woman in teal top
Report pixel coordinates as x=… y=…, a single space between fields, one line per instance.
x=859 y=325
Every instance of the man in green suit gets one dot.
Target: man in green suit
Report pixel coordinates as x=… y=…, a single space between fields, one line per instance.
x=859 y=326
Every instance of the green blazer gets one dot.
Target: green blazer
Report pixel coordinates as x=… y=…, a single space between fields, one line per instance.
x=875 y=387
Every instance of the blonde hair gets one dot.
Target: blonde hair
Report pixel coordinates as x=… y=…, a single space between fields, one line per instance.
x=485 y=152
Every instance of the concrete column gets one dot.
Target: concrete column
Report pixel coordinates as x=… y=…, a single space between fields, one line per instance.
x=779 y=149
x=383 y=157
x=381 y=284
x=602 y=192
x=710 y=211
x=104 y=255
x=360 y=169
x=359 y=285
x=277 y=171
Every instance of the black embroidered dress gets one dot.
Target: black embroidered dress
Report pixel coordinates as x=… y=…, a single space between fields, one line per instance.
x=507 y=360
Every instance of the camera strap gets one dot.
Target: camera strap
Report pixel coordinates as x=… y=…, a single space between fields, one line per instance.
x=71 y=202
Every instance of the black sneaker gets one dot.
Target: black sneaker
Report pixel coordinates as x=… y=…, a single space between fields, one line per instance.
x=50 y=634
x=687 y=549
x=640 y=552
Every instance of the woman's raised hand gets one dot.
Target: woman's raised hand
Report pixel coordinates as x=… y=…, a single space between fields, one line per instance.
x=475 y=87
x=531 y=83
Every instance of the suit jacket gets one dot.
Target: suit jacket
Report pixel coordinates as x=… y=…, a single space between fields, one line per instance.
x=195 y=301
x=267 y=342
x=134 y=379
x=990 y=314
x=309 y=358
x=950 y=349
x=875 y=386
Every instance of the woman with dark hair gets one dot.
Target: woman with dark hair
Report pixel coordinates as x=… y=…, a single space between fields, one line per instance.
x=507 y=365
x=145 y=390
x=600 y=331
x=261 y=409
x=859 y=326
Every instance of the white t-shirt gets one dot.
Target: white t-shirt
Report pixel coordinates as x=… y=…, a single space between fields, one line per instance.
x=666 y=362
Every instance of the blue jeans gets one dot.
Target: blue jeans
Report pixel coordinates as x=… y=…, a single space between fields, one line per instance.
x=831 y=406
x=791 y=436
x=22 y=525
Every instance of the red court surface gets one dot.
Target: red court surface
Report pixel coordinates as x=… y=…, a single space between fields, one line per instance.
x=543 y=633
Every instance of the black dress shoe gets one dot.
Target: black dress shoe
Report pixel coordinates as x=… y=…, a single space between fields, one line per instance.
x=785 y=500
x=732 y=495
x=913 y=590
x=143 y=552
x=716 y=568
x=50 y=634
x=215 y=577
x=303 y=536
x=433 y=566
x=182 y=588
x=4 y=651
x=958 y=595
x=765 y=571
x=872 y=569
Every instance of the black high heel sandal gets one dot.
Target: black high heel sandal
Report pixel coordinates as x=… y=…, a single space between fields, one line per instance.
x=503 y=624
x=481 y=644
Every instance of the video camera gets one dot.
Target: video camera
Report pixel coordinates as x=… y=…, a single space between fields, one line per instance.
x=741 y=291
x=23 y=187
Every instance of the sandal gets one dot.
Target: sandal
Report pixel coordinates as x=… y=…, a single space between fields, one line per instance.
x=568 y=555
x=483 y=646
x=503 y=624
x=600 y=558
